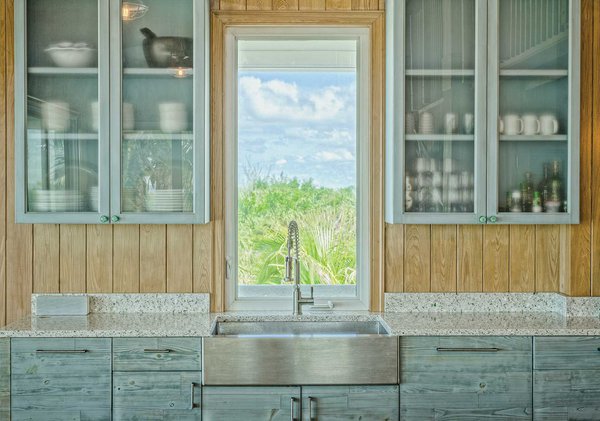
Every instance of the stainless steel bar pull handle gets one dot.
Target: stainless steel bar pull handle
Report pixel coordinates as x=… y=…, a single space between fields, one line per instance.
x=468 y=349
x=292 y=412
x=61 y=351
x=192 y=404
x=158 y=351
x=310 y=408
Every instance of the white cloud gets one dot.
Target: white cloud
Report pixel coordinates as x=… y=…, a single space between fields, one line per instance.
x=337 y=155
x=281 y=161
x=275 y=99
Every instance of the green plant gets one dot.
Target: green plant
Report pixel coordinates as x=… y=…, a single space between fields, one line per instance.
x=327 y=220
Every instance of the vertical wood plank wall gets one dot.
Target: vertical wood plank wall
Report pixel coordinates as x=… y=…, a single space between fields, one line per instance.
x=160 y=258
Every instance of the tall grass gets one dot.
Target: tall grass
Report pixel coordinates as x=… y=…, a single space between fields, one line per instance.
x=327 y=220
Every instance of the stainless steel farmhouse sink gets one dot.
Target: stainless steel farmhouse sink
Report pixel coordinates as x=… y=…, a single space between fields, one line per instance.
x=300 y=353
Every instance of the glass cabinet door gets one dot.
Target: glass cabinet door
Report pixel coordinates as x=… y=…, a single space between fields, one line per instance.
x=61 y=108
x=158 y=122
x=436 y=174
x=533 y=112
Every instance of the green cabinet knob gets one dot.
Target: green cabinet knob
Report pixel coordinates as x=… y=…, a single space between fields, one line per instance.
x=482 y=219
x=115 y=218
x=104 y=219
x=493 y=219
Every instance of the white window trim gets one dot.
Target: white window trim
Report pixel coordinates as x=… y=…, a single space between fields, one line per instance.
x=363 y=105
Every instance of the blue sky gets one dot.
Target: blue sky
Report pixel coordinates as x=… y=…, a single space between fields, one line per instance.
x=300 y=124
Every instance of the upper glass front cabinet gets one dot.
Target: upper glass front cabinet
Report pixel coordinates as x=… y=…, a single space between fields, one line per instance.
x=111 y=107
x=482 y=111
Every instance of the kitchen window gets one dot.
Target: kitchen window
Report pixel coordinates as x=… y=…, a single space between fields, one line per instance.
x=296 y=148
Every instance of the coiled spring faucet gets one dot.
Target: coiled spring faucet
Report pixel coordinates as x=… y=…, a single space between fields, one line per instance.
x=292 y=268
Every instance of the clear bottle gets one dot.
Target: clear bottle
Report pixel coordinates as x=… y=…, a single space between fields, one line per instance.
x=527 y=192
x=554 y=202
x=537 y=202
x=544 y=186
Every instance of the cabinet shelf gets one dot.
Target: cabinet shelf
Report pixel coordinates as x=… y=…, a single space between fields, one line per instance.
x=534 y=138
x=66 y=71
x=556 y=73
x=68 y=136
x=169 y=72
x=440 y=72
x=440 y=138
x=153 y=135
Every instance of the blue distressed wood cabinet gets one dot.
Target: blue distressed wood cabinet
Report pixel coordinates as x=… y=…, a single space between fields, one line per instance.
x=111 y=120
x=60 y=379
x=157 y=379
x=466 y=378
x=4 y=378
x=566 y=378
x=482 y=111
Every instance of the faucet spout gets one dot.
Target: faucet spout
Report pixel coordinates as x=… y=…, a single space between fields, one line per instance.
x=292 y=268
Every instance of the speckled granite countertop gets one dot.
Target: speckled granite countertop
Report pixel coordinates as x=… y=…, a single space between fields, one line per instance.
x=401 y=324
x=177 y=315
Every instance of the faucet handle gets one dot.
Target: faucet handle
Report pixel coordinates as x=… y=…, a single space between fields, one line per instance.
x=312 y=290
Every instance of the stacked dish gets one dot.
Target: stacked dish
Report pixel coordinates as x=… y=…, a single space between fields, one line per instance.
x=167 y=200
x=69 y=54
x=57 y=201
x=94 y=198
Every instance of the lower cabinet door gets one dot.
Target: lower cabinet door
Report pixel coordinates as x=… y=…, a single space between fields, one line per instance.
x=334 y=403
x=465 y=378
x=250 y=403
x=566 y=378
x=164 y=395
x=4 y=378
x=60 y=379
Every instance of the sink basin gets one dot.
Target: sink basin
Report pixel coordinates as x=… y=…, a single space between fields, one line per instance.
x=298 y=328
x=300 y=353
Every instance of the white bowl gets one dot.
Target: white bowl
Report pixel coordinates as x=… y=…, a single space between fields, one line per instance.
x=72 y=56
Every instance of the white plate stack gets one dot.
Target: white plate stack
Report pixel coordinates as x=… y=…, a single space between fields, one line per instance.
x=57 y=201
x=94 y=198
x=167 y=200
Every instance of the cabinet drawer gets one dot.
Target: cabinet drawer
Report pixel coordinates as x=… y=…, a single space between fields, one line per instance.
x=60 y=379
x=157 y=354
x=456 y=353
x=157 y=395
x=567 y=353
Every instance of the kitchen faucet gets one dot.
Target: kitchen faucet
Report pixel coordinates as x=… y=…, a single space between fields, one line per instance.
x=292 y=269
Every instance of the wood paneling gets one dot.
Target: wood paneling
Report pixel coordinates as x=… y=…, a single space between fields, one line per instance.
x=126 y=258
x=46 y=259
x=547 y=258
x=3 y=141
x=595 y=118
x=417 y=258
x=154 y=258
x=19 y=237
x=259 y=5
x=579 y=277
x=522 y=258
x=394 y=258
x=443 y=258
x=99 y=258
x=470 y=259
x=179 y=258
x=495 y=258
x=311 y=4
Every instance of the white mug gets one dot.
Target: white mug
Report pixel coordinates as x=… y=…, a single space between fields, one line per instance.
x=173 y=116
x=451 y=123
x=510 y=125
x=531 y=125
x=549 y=124
x=469 y=123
